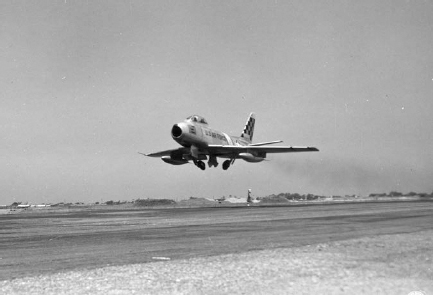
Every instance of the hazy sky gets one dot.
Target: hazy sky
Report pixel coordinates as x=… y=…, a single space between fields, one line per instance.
x=85 y=85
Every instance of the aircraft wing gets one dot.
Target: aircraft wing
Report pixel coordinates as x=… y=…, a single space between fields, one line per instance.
x=181 y=150
x=233 y=149
x=230 y=149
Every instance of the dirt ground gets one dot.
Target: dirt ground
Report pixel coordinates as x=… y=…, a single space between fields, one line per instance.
x=379 y=248
x=389 y=264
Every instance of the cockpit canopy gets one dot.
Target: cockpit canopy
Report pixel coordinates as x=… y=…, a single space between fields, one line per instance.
x=197 y=119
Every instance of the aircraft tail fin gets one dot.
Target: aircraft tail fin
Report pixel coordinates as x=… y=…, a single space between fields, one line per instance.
x=249 y=128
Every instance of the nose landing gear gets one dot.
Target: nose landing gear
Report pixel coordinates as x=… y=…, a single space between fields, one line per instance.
x=212 y=161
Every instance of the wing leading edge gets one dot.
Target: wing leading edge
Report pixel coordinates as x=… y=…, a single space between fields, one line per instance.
x=223 y=149
x=181 y=150
x=230 y=149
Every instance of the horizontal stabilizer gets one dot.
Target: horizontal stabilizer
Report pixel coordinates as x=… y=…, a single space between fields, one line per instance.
x=265 y=143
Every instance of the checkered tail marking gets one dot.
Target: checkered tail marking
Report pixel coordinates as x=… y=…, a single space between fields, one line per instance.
x=249 y=128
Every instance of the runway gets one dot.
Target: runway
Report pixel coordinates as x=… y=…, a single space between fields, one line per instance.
x=51 y=242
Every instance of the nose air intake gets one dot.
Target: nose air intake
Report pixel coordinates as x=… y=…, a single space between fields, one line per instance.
x=176 y=131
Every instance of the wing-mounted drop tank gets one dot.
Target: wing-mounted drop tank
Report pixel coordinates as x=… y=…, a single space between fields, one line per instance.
x=173 y=161
x=251 y=158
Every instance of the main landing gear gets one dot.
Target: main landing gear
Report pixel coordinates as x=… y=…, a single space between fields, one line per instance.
x=212 y=162
x=227 y=163
x=200 y=164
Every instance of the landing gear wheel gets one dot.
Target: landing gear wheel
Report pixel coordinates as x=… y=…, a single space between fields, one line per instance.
x=226 y=164
x=201 y=165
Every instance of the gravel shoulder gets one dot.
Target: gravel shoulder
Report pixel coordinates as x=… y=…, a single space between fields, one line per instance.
x=386 y=264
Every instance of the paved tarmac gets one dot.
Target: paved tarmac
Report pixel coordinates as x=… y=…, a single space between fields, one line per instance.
x=46 y=242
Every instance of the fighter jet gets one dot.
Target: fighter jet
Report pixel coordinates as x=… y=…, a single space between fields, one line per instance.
x=201 y=143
